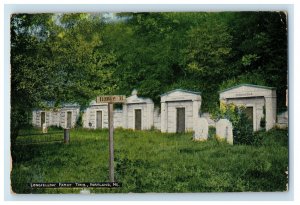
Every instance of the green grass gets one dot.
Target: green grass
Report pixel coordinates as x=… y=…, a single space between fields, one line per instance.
x=149 y=161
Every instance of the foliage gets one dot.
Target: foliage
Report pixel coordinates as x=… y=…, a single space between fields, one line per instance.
x=79 y=121
x=247 y=78
x=262 y=122
x=211 y=131
x=76 y=56
x=56 y=59
x=242 y=127
x=150 y=161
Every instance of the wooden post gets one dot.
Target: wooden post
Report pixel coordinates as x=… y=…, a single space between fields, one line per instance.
x=66 y=136
x=111 y=142
x=111 y=99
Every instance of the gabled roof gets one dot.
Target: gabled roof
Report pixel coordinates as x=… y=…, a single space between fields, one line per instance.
x=248 y=85
x=181 y=90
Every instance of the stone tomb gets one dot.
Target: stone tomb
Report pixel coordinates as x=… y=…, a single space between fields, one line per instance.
x=255 y=98
x=96 y=116
x=65 y=117
x=138 y=112
x=201 y=129
x=224 y=130
x=179 y=110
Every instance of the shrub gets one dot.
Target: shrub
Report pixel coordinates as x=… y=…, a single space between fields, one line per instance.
x=54 y=128
x=211 y=131
x=79 y=122
x=263 y=119
x=242 y=127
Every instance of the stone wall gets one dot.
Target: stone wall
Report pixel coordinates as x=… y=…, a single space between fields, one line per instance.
x=63 y=116
x=131 y=115
x=89 y=117
x=171 y=115
x=118 y=118
x=55 y=117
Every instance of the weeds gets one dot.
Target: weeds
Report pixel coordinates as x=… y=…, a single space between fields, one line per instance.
x=150 y=161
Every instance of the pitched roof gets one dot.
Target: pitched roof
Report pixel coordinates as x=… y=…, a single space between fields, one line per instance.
x=248 y=85
x=181 y=90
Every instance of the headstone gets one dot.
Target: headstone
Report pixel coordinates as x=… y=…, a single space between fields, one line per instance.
x=224 y=130
x=45 y=129
x=201 y=129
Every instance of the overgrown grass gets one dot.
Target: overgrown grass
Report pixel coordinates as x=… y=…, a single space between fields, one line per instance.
x=150 y=161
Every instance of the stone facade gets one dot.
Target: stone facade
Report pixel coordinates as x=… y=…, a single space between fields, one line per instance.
x=56 y=116
x=144 y=107
x=118 y=118
x=91 y=115
x=171 y=102
x=224 y=130
x=257 y=98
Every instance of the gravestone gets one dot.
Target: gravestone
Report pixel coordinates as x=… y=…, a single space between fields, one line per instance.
x=201 y=129
x=45 y=129
x=224 y=130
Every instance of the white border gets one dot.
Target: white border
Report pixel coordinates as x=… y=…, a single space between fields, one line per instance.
x=203 y=196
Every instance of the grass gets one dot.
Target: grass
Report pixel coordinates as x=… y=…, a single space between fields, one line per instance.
x=150 y=161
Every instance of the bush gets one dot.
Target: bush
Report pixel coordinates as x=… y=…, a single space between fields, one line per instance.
x=242 y=127
x=79 y=122
x=211 y=131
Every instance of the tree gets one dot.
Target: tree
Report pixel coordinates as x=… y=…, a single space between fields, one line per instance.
x=28 y=71
x=56 y=59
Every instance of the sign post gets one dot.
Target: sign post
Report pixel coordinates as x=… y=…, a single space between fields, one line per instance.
x=111 y=141
x=111 y=99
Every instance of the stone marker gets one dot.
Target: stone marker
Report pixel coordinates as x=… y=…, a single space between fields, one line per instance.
x=45 y=128
x=224 y=130
x=201 y=129
x=67 y=135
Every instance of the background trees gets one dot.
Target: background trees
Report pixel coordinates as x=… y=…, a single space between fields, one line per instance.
x=75 y=57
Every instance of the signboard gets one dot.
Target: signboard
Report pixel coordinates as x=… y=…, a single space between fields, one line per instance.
x=243 y=94
x=111 y=99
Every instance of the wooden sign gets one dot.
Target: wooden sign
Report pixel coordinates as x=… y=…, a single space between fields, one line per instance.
x=111 y=99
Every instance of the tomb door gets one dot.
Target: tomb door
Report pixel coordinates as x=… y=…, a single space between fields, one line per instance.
x=69 y=119
x=138 y=119
x=42 y=118
x=180 y=125
x=99 y=119
x=249 y=113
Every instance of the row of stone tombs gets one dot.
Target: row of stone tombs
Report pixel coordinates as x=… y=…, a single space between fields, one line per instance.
x=179 y=112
